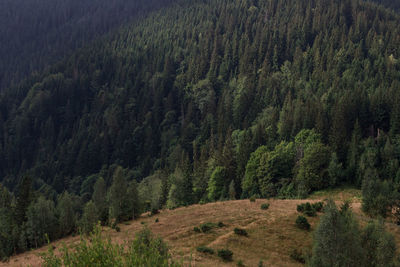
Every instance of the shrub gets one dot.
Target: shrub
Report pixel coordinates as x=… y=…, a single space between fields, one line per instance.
x=300 y=207
x=297 y=256
x=302 y=223
x=154 y=211
x=240 y=263
x=310 y=212
x=264 y=206
x=318 y=206
x=205 y=227
x=156 y=220
x=225 y=254
x=144 y=250
x=252 y=199
x=117 y=228
x=240 y=231
x=196 y=229
x=260 y=263
x=204 y=249
x=221 y=224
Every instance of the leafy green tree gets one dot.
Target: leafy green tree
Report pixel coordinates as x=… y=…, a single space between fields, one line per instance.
x=41 y=222
x=250 y=183
x=66 y=214
x=117 y=196
x=216 y=184
x=379 y=246
x=378 y=196
x=337 y=239
x=89 y=218
x=313 y=169
x=99 y=199
x=335 y=170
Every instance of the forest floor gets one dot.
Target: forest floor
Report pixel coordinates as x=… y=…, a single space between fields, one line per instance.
x=272 y=234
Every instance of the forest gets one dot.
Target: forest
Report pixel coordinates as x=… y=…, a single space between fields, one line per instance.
x=200 y=101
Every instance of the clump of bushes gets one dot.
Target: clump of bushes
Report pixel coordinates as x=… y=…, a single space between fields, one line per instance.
x=204 y=249
x=206 y=227
x=253 y=199
x=265 y=206
x=297 y=256
x=302 y=223
x=240 y=231
x=310 y=209
x=225 y=254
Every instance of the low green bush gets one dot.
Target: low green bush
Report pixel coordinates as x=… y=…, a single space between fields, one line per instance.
x=196 y=229
x=240 y=231
x=240 y=263
x=297 y=256
x=204 y=249
x=221 y=224
x=252 y=199
x=225 y=254
x=302 y=223
x=318 y=206
x=206 y=227
x=264 y=206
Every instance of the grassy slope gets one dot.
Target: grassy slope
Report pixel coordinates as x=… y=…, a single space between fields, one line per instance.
x=272 y=233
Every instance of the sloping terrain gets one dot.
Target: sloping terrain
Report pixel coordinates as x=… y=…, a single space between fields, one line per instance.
x=272 y=233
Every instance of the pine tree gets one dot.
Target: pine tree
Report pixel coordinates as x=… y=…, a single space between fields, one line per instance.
x=117 y=196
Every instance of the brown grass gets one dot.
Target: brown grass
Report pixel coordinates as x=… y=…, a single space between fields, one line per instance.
x=272 y=233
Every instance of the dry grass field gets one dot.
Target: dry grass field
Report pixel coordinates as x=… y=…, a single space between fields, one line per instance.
x=272 y=233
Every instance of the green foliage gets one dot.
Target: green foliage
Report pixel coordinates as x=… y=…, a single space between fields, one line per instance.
x=302 y=223
x=313 y=173
x=337 y=239
x=100 y=202
x=144 y=250
x=379 y=246
x=216 y=183
x=196 y=229
x=378 y=196
x=41 y=221
x=89 y=218
x=252 y=198
x=225 y=254
x=264 y=206
x=204 y=249
x=240 y=231
x=297 y=256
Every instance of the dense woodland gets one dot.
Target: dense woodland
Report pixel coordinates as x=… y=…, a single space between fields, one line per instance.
x=201 y=101
x=37 y=33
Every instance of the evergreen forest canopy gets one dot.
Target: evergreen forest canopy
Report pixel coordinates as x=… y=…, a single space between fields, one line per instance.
x=37 y=33
x=202 y=101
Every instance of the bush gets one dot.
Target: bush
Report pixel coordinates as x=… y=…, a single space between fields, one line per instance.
x=144 y=250
x=154 y=211
x=252 y=199
x=206 y=227
x=117 y=228
x=300 y=207
x=240 y=263
x=221 y=224
x=318 y=206
x=196 y=229
x=297 y=256
x=302 y=223
x=264 y=206
x=240 y=231
x=156 y=220
x=225 y=254
x=203 y=249
x=310 y=213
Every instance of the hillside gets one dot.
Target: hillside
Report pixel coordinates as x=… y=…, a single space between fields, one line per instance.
x=272 y=233
x=36 y=34
x=197 y=102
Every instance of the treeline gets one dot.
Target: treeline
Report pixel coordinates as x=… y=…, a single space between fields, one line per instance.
x=38 y=33
x=210 y=100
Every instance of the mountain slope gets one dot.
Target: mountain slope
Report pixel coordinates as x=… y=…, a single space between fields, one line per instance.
x=35 y=34
x=273 y=234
